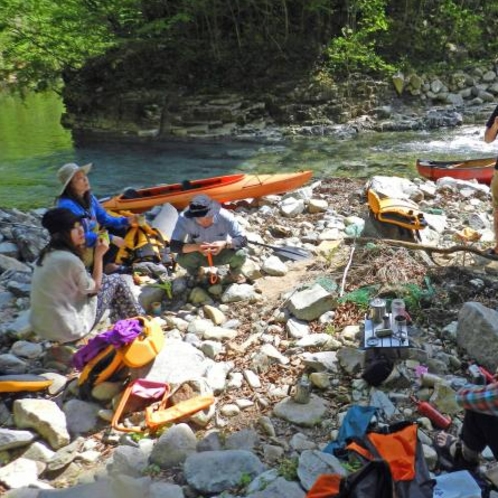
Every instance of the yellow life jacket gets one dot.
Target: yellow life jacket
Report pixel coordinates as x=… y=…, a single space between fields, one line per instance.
x=144 y=243
x=400 y=212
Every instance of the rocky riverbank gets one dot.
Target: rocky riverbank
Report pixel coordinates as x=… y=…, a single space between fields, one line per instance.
x=248 y=344
x=316 y=106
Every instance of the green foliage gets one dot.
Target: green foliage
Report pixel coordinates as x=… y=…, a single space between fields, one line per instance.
x=330 y=329
x=138 y=436
x=288 y=469
x=447 y=30
x=152 y=470
x=200 y=44
x=166 y=286
x=40 y=39
x=355 y=49
x=245 y=480
x=362 y=296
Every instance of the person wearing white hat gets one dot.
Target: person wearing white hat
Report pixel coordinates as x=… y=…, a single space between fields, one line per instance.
x=75 y=195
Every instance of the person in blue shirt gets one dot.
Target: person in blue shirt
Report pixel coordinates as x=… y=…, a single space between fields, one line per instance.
x=76 y=196
x=205 y=232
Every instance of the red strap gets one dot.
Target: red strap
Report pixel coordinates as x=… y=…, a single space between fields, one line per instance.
x=213 y=278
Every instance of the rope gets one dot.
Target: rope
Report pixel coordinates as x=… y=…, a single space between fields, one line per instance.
x=213 y=277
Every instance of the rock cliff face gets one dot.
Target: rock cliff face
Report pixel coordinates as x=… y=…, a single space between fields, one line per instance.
x=317 y=104
x=177 y=113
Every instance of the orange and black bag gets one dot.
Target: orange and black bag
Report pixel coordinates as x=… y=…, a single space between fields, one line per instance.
x=393 y=466
x=111 y=363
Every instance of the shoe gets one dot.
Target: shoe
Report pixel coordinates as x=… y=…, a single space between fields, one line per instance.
x=191 y=281
x=196 y=282
x=491 y=254
x=112 y=268
x=235 y=278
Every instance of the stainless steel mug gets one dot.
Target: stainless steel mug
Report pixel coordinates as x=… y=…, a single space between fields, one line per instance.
x=377 y=310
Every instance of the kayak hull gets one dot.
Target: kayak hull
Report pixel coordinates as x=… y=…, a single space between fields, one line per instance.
x=221 y=188
x=481 y=170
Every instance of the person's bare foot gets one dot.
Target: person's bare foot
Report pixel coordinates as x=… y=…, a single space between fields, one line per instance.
x=446 y=443
x=453 y=454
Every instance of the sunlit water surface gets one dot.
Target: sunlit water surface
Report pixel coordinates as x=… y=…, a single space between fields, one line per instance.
x=33 y=145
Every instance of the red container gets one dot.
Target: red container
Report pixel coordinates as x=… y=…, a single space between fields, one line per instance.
x=438 y=419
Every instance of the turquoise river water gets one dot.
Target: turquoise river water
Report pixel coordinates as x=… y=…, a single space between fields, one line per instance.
x=33 y=145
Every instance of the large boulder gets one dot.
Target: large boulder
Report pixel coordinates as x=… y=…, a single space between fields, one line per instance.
x=477 y=333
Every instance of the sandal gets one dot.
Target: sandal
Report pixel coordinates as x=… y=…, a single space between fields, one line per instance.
x=235 y=278
x=451 y=462
x=446 y=459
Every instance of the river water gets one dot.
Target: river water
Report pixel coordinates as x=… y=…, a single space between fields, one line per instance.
x=33 y=145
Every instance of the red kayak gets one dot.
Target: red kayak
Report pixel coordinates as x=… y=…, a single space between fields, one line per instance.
x=481 y=170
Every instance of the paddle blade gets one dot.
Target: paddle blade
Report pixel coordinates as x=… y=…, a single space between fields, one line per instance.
x=288 y=252
x=291 y=252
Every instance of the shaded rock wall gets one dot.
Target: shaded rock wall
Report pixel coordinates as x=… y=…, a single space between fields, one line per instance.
x=383 y=105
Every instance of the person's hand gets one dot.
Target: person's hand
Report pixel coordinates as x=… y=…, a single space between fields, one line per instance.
x=205 y=248
x=133 y=220
x=496 y=122
x=217 y=247
x=101 y=247
x=118 y=241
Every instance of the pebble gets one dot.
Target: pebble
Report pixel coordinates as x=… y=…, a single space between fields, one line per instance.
x=27 y=353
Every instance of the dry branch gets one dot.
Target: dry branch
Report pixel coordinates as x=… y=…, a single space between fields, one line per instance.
x=420 y=247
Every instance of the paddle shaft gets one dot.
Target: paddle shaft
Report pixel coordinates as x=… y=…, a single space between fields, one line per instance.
x=297 y=252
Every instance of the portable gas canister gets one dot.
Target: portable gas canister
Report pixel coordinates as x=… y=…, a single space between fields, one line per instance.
x=436 y=417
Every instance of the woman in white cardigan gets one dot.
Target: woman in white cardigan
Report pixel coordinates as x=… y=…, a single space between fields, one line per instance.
x=66 y=301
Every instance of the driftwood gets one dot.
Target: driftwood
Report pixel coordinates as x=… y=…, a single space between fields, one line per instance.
x=421 y=247
x=345 y=274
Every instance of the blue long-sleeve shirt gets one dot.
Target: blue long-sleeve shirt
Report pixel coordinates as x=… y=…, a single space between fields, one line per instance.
x=93 y=218
x=188 y=231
